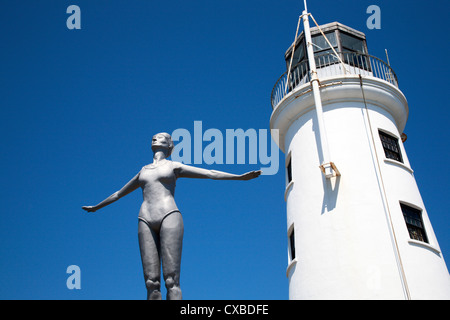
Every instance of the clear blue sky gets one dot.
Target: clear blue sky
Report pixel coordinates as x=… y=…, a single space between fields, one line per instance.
x=79 y=108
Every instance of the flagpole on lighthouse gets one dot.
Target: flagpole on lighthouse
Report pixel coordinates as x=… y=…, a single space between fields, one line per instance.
x=328 y=168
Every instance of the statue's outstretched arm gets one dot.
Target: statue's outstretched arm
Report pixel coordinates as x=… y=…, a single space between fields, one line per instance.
x=185 y=171
x=132 y=185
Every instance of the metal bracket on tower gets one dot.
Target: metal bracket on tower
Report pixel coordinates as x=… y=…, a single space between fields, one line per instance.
x=329 y=170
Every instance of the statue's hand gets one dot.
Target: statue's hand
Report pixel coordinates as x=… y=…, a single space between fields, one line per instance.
x=89 y=208
x=251 y=175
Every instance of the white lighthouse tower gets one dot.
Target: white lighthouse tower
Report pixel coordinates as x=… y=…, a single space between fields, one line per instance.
x=357 y=227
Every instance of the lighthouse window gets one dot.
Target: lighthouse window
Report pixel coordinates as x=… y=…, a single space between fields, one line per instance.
x=323 y=53
x=299 y=55
x=320 y=44
x=289 y=171
x=354 y=51
x=350 y=43
x=390 y=146
x=292 y=244
x=414 y=223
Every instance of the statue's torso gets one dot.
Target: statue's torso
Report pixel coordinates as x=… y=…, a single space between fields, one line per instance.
x=158 y=189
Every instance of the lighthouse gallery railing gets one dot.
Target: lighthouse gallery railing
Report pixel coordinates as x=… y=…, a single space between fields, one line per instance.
x=328 y=65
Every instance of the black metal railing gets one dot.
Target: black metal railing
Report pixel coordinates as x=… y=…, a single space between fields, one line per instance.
x=329 y=65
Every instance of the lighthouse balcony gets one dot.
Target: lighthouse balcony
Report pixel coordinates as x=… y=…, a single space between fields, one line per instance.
x=329 y=65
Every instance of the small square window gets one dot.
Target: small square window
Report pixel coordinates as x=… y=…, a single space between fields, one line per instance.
x=390 y=146
x=414 y=223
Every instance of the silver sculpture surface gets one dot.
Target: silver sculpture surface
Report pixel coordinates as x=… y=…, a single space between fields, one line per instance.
x=160 y=224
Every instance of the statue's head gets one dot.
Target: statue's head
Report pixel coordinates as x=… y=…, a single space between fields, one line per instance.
x=162 y=140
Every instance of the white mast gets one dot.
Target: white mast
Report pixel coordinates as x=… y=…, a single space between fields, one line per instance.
x=327 y=165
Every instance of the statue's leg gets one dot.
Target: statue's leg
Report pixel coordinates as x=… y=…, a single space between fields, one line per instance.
x=149 y=247
x=171 y=236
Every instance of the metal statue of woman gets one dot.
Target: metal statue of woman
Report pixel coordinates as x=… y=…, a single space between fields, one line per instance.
x=160 y=224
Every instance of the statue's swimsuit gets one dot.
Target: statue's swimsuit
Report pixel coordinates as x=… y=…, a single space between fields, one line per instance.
x=158 y=189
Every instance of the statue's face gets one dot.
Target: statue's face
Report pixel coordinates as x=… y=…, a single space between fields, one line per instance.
x=160 y=140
